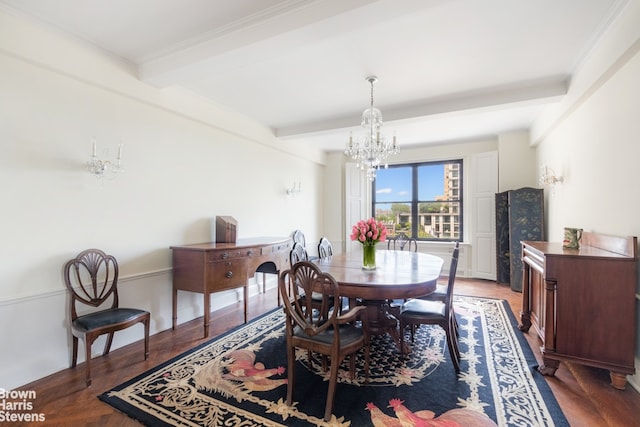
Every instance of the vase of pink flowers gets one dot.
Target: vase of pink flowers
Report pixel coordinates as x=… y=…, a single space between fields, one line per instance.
x=369 y=232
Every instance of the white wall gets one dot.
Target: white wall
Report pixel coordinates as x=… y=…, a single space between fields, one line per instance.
x=592 y=140
x=517 y=161
x=185 y=162
x=334 y=211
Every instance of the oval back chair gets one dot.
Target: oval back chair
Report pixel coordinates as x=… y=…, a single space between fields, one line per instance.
x=92 y=280
x=331 y=333
x=401 y=241
x=325 y=249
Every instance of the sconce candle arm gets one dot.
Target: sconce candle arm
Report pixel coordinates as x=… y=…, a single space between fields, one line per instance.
x=294 y=190
x=99 y=167
x=548 y=176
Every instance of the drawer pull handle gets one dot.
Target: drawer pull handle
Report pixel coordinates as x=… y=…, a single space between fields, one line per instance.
x=229 y=274
x=225 y=255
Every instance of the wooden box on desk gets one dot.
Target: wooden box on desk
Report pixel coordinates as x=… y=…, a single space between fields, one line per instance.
x=226 y=229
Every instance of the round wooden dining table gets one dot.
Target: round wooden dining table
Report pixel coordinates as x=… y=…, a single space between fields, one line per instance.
x=398 y=275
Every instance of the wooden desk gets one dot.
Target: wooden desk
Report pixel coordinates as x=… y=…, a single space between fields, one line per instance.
x=581 y=302
x=213 y=267
x=398 y=275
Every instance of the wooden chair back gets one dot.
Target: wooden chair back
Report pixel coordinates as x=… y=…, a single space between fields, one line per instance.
x=92 y=278
x=453 y=268
x=298 y=253
x=325 y=249
x=401 y=241
x=298 y=237
x=306 y=279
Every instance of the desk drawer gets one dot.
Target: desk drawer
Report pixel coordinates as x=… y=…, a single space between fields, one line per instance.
x=223 y=255
x=226 y=274
x=279 y=254
x=282 y=247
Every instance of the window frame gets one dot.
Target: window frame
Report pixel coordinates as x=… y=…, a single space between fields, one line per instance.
x=415 y=202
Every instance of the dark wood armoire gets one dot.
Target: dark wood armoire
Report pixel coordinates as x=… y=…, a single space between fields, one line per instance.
x=519 y=216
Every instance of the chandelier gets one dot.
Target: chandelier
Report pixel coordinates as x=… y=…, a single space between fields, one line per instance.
x=372 y=149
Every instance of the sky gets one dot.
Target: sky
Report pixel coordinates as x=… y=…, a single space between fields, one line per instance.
x=394 y=184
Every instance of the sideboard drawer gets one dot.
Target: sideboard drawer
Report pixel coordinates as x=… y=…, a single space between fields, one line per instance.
x=282 y=247
x=223 y=255
x=226 y=274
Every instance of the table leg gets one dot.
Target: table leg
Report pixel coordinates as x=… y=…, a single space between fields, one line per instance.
x=246 y=300
x=174 y=308
x=381 y=321
x=207 y=310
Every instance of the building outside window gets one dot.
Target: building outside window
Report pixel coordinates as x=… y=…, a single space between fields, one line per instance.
x=423 y=200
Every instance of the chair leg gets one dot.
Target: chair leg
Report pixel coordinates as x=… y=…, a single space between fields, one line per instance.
x=455 y=322
x=74 y=354
x=366 y=364
x=455 y=337
x=107 y=345
x=333 y=380
x=352 y=365
x=402 y=328
x=146 y=339
x=87 y=362
x=453 y=350
x=291 y=378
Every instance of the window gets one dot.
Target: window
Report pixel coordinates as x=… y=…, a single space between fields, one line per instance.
x=423 y=200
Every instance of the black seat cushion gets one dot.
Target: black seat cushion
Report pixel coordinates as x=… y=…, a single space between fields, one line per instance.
x=348 y=334
x=98 y=319
x=419 y=307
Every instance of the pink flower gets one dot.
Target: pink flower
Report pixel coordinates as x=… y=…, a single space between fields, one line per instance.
x=369 y=231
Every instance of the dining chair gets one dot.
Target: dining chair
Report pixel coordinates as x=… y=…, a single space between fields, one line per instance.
x=440 y=294
x=334 y=333
x=400 y=241
x=298 y=237
x=92 y=280
x=298 y=253
x=325 y=249
x=420 y=312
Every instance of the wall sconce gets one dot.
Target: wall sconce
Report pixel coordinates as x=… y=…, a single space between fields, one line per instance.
x=294 y=190
x=100 y=167
x=548 y=176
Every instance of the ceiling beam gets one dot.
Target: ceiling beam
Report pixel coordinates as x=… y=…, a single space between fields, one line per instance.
x=541 y=91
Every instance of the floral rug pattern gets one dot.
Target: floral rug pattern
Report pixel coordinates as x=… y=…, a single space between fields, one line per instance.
x=240 y=378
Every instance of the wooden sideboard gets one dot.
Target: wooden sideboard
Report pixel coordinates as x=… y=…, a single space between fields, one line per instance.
x=213 y=267
x=582 y=304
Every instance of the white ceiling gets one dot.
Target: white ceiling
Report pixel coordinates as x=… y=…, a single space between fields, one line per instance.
x=447 y=69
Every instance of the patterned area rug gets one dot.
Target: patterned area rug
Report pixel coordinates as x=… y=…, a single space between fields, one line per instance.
x=239 y=378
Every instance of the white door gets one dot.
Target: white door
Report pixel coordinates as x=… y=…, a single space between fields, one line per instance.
x=484 y=183
x=355 y=191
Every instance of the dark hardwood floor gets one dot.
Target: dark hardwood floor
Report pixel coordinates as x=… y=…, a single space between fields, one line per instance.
x=584 y=393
